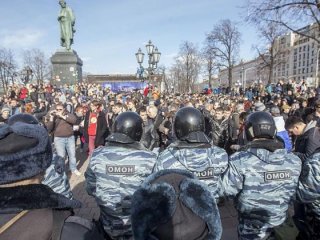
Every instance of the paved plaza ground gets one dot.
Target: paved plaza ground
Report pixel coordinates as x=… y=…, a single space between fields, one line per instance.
x=90 y=209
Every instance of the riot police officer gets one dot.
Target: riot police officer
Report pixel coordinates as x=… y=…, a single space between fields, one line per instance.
x=309 y=194
x=116 y=171
x=263 y=176
x=193 y=151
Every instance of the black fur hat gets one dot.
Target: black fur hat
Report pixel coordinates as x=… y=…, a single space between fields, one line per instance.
x=25 y=151
x=22 y=117
x=173 y=204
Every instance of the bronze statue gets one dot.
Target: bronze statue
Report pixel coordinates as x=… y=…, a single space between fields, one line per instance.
x=67 y=21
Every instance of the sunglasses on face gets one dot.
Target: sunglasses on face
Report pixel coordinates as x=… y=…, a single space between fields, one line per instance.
x=59 y=109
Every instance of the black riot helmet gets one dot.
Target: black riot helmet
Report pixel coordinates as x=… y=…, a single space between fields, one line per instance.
x=189 y=125
x=127 y=128
x=260 y=125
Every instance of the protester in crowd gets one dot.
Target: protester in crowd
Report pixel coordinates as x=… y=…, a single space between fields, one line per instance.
x=282 y=133
x=234 y=126
x=61 y=125
x=166 y=127
x=115 y=111
x=317 y=112
x=147 y=138
x=95 y=126
x=219 y=133
x=308 y=136
x=154 y=120
x=5 y=114
x=15 y=107
x=78 y=127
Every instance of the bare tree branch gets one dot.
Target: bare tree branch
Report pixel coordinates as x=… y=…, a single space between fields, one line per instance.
x=224 y=40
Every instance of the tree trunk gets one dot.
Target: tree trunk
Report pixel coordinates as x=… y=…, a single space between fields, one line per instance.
x=230 y=77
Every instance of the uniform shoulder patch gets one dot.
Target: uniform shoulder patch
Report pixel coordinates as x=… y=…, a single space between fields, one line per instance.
x=206 y=174
x=120 y=169
x=277 y=175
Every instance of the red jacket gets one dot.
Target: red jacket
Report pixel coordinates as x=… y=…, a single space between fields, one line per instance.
x=23 y=93
x=146 y=91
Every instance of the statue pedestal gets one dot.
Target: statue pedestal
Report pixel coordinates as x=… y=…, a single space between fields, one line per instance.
x=67 y=67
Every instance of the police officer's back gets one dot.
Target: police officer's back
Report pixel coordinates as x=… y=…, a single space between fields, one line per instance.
x=116 y=171
x=263 y=176
x=192 y=150
x=309 y=193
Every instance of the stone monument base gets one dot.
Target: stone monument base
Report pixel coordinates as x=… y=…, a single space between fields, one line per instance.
x=67 y=67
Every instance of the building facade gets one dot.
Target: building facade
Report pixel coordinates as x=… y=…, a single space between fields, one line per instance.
x=299 y=57
x=295 y=57
x=243 y=75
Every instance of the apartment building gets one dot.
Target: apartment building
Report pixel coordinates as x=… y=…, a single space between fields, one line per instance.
x=295 y=57
x=298 y=56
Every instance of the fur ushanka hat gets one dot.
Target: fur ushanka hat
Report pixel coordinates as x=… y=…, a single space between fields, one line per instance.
x=173 y=204
x=25 y=150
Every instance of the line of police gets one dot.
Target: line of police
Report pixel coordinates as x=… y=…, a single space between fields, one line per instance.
x=262 y=177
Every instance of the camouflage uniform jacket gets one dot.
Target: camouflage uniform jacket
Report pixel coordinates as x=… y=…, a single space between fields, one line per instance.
x=263 y=182
x=309 y=192
x=113 y=175
x=207 y=162
x=56 y=178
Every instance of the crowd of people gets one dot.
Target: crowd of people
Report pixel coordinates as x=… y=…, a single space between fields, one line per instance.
x=259 y=146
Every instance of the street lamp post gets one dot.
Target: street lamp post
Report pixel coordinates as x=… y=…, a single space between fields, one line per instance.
x=27 y=74
x=245 y=76
x=317 y=69
x=154 y=57
x=242 y=76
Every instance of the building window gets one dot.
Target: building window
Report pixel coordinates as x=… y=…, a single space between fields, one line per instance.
x=311 y=69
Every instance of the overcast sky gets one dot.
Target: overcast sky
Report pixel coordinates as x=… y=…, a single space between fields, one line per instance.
x=109 y=32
